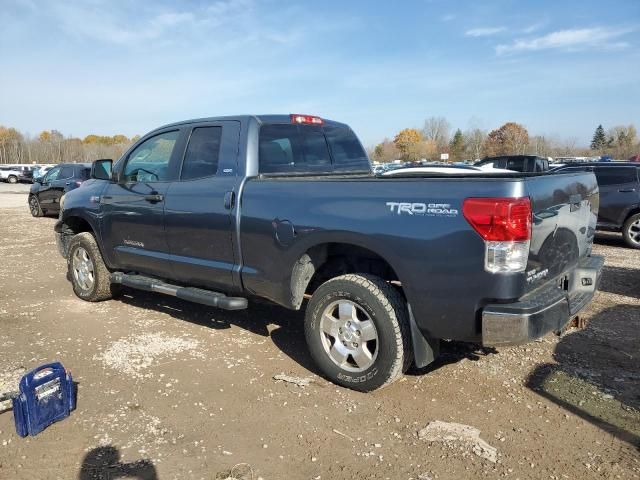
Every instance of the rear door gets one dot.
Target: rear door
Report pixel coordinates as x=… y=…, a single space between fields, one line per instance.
x=199 y=206
x=618 y=193
x=133 y=206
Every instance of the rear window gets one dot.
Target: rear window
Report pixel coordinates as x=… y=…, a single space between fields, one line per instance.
x=616 y=175
x=85 y=173
x=287 y=148
x=201 y=159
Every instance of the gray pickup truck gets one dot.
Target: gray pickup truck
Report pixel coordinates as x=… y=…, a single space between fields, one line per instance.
x=285 y=208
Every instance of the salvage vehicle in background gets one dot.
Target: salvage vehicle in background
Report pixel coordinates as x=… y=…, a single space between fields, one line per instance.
x=40 y=171
x=10 y=174
x=619 y=184
x=45 y=194
x=285 y=208
x=517 y=163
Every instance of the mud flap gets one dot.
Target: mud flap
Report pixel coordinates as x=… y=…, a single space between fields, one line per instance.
x=425 y=349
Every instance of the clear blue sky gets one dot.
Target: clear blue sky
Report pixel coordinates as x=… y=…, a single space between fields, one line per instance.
x=107 y=67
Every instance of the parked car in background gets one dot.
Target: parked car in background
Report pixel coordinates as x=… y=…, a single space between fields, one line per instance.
x=40 y=171
x=26 y=173
x=45 y=194
x=10 y=174
x=449 y=169
x=517 y=163
x=619 y=184
x=635 y=158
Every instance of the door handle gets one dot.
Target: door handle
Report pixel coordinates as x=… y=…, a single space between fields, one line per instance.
x=229 y=200
x=627 y=190
x=154 y=197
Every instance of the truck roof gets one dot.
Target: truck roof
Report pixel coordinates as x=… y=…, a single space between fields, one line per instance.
x=261 y=119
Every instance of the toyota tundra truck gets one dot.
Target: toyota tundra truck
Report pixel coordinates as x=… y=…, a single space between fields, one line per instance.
x=285 y=208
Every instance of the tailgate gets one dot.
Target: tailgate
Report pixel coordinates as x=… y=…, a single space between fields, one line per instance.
x=565 y=212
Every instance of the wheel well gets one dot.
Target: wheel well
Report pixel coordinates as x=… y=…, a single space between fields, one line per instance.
x=75 y=225
x=631 y=212
x=323 y=262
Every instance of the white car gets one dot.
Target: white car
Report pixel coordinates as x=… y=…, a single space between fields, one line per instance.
x=10 y=174
x=446 y=169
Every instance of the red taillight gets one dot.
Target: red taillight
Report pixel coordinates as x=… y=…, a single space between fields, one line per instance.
x=78 y=183
x=297 y=118
x=499 y=219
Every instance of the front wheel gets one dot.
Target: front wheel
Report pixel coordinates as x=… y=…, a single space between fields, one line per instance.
x=357 y=330
x=88 y=273
x=631 y=231
x=34 y=206
x=12 y=179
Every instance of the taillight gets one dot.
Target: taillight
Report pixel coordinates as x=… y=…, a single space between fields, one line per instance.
x=78 y=183
x=310 y=119
x=505 y=226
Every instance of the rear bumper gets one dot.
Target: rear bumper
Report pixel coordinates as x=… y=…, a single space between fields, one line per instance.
x=545 y=310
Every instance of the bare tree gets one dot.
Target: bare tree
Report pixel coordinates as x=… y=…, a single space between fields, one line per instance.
x=436 y=129
x=474 y=142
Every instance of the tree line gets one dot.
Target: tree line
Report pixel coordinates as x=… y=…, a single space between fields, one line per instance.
x=51 y=146
x=434 y=139
x=410 y=144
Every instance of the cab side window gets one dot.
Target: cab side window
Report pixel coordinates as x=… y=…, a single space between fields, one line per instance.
x=149 y=162
x=203 y=151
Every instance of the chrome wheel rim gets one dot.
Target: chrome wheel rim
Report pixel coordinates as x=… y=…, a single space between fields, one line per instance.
x=349 y=336
x=634 y=232
x=83 y=271
x=33 y=205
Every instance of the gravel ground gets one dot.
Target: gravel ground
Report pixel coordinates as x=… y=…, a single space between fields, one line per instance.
x=174 y=390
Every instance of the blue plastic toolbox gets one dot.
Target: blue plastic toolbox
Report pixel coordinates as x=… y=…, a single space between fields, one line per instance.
x=46 y=395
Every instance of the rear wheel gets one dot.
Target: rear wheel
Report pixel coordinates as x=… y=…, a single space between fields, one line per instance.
x=34 y=206
x=631 y=231
x=88 y=273
x=357 y=330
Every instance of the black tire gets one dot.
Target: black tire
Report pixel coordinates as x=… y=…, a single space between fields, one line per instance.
x=631 y=231
x=101 y=287
x=379 y=302
x=34 y=206
x=12 y=179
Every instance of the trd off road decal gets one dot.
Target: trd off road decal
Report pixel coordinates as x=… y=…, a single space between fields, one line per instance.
x=423 y=209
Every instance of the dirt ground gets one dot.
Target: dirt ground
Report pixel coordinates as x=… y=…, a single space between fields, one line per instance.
x=172 y=390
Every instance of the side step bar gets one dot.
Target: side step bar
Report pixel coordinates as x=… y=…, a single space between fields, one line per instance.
x=196 y=295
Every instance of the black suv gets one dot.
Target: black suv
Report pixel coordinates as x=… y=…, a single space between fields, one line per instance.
x=45 y=194
x=619 y=184
x=517 y=163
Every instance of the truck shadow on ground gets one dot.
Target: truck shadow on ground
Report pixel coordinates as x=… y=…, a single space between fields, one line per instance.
x=621 y=281
x=103 y=463
x=285 y=327
x=611 y=239
x=597 y=373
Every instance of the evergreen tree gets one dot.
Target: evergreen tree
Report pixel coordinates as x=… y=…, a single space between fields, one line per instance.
x=456 y=147
x=599 y=139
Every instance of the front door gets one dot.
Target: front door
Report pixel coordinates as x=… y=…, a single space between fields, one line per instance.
x=618 y=191
x=199 y=206
x=133 y=207
x=53 y=187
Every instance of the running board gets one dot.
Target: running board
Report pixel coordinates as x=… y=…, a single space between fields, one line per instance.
x=196 y=295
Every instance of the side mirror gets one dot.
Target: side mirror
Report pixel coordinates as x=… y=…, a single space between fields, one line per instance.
x=101 y=169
